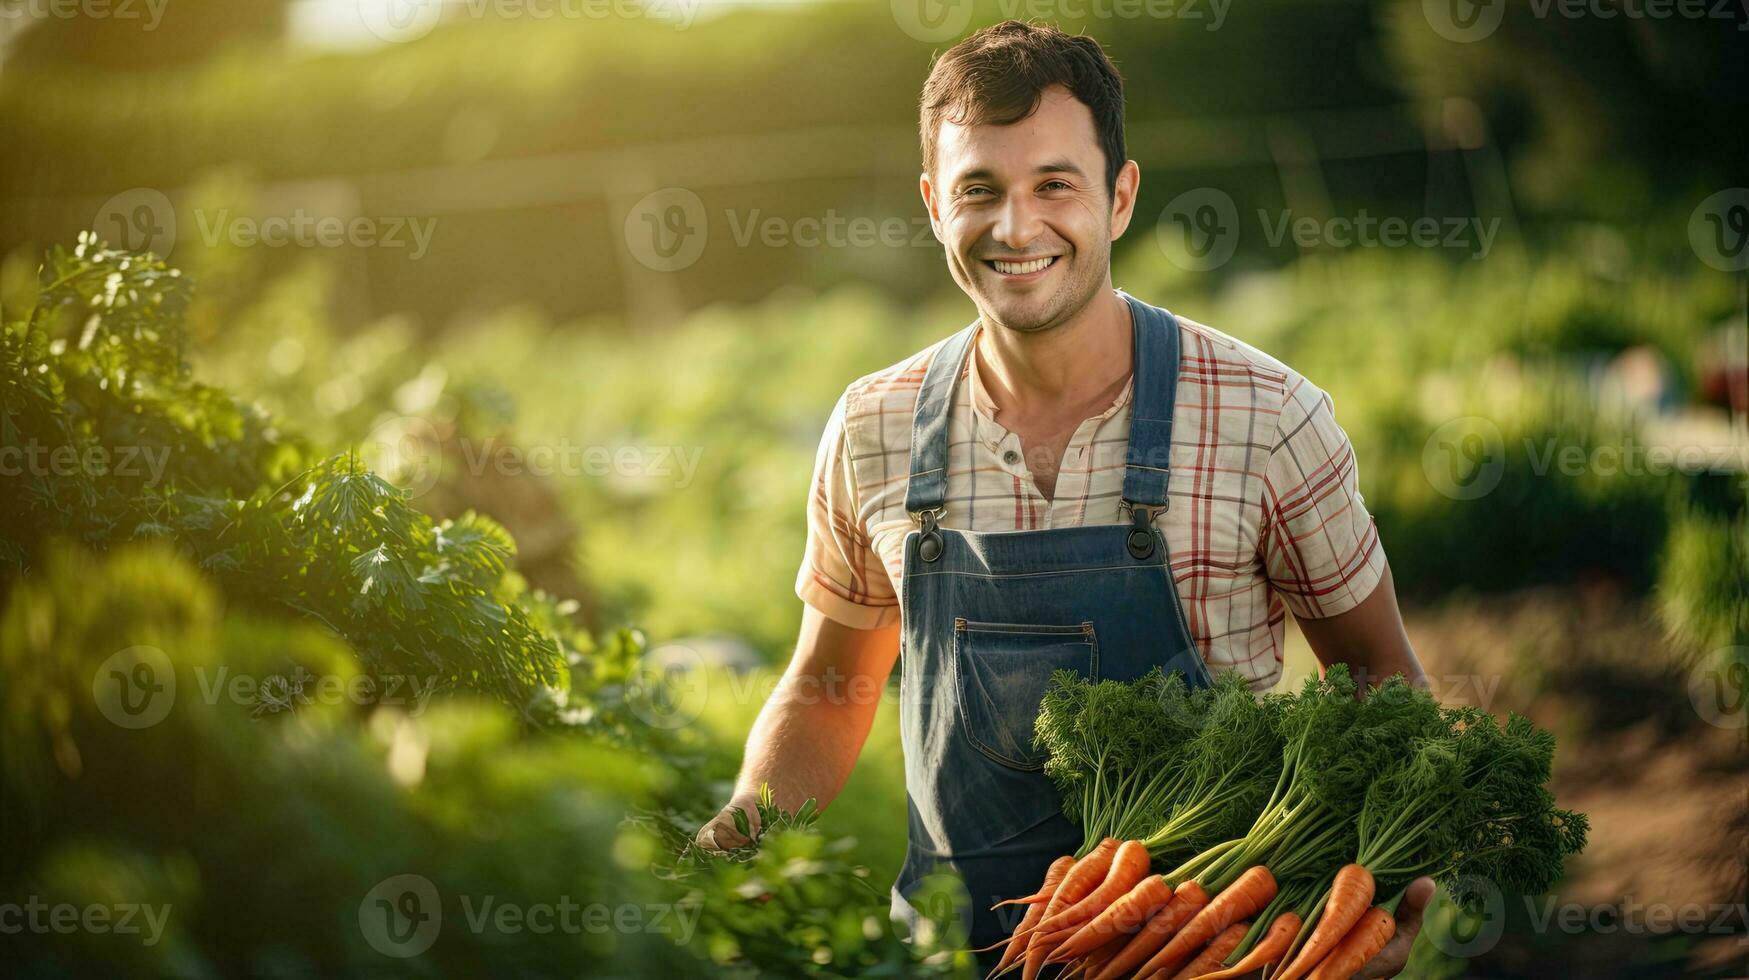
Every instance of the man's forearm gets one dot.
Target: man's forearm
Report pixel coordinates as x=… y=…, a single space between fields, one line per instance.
x=808 y=735
x=805 y=742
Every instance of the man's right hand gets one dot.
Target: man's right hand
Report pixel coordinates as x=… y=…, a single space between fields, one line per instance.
x=720 y=833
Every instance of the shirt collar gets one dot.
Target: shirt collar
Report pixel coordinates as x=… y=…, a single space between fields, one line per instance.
x=984 y=408
x=981 y=402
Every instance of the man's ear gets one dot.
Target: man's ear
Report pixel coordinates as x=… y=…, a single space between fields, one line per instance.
x=931 y=204
x=1123 y=198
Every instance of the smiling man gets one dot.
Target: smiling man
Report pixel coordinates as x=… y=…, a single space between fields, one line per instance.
x=1077 y=480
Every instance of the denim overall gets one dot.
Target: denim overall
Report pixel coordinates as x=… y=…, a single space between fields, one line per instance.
x=990 y=615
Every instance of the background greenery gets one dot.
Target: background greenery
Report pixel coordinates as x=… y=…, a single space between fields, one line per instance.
x=557 y=761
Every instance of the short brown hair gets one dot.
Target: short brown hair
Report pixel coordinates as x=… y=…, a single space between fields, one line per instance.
x=998 y=75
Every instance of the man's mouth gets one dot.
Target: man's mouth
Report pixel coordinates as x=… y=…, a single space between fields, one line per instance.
x=1022 y=269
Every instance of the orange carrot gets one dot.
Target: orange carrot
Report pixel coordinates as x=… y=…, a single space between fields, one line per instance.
x=1096 y=960
x=1185 y=904
x=1125 y=915
x=1053 y=877
x=1240 y=900
x=1081 y=881
x=1273 y=946
x=1363 y=942
x=1045 y=890
x=1210 y=958
x=1350 y=894
x=1083 y=877
x=1128 y=866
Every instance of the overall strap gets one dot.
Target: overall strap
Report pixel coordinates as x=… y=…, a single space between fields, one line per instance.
x=1153 y=397
x=926 y=491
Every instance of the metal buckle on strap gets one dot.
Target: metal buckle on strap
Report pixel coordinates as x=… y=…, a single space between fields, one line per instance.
x=930 y=547
x=1141 y=538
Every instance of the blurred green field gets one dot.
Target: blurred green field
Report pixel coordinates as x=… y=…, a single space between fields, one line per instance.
x=1613 y=574
x=700 y=534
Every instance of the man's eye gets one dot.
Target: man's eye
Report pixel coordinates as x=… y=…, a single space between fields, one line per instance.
x=975 y=192
x=1055 y=185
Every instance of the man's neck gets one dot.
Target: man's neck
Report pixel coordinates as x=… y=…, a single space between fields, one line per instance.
x=1076 y=363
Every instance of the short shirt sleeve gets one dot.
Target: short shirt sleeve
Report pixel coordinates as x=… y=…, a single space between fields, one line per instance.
x=841 y=574
x=1320 y=547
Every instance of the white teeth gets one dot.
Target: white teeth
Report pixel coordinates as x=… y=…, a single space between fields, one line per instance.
x=1022 y=268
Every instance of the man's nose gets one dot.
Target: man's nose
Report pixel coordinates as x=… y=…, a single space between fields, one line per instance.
x=1017 y=223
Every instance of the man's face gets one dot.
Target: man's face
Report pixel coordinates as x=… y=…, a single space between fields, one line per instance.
x=1024 y=213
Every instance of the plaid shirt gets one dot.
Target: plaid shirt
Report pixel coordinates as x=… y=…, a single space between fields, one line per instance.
x=1265 y=511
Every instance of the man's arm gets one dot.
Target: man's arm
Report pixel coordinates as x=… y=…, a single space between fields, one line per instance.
x=1370 y=639
x=809 y=734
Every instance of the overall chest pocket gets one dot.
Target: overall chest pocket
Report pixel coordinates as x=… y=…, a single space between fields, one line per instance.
x=1003 y=669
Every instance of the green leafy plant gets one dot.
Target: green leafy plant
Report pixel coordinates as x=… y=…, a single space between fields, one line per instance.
x=96 y=375
x=248 y=554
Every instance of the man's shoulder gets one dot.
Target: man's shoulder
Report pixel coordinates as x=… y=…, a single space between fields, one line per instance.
x=1248 y=377
x=892 y=388
x=1212 y=356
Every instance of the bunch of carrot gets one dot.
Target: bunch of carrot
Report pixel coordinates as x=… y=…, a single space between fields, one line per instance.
x=1382 y=789
x=1108 y=916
